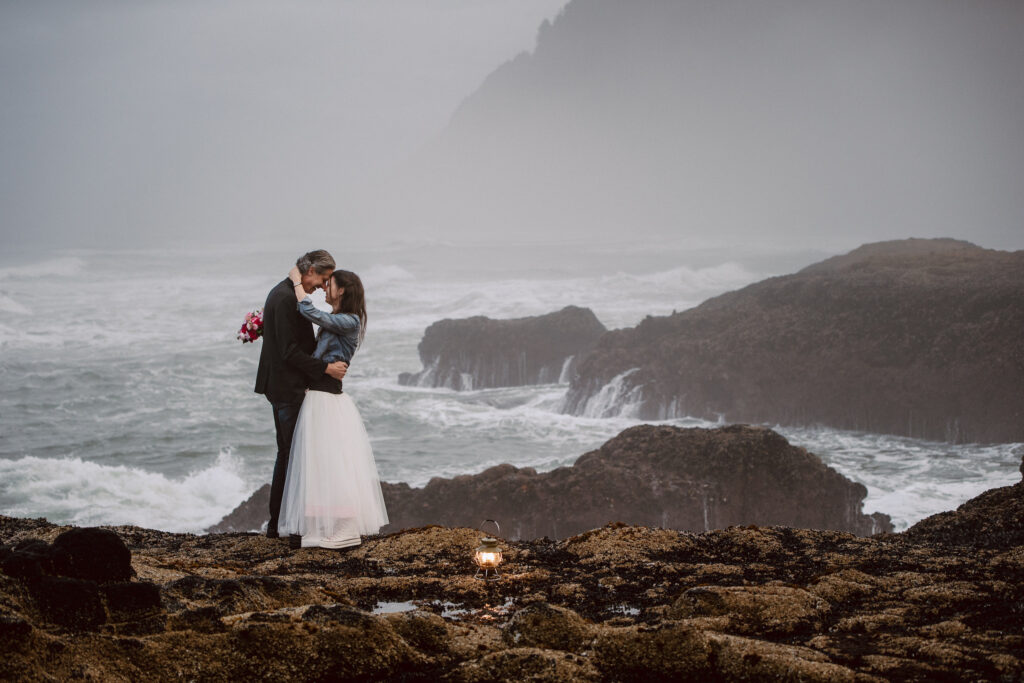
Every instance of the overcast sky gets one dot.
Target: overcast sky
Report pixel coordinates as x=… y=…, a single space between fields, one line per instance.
x=155 y=122
x=142 y=122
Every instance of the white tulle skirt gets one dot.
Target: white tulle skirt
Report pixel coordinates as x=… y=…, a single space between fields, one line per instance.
x=332 y=491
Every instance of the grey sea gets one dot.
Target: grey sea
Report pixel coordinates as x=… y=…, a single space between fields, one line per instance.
x=127 y=398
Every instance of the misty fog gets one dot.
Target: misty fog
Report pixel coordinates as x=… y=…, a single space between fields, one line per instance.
x=136 y=122
x=829 y=123
x=787 y=123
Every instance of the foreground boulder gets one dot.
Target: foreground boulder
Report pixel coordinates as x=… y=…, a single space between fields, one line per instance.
x=920 y=338
x=82 y=582
x=689 y=479
x=479 y=353
x=615 y=603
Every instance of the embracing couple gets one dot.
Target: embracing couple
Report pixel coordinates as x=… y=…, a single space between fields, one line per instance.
x=326 y=491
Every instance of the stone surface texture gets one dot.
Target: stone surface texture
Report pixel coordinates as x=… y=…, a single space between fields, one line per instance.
x=614 y=603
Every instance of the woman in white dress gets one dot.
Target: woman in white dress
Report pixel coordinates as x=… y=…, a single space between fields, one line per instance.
x=332 y=492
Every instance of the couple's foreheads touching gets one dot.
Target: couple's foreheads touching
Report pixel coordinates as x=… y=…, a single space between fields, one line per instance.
x=343 y=288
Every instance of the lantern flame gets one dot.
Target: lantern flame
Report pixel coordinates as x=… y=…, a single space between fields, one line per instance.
x=488 y=556
x=488 y=559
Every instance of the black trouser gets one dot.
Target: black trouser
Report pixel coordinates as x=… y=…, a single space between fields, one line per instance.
x=285 y=415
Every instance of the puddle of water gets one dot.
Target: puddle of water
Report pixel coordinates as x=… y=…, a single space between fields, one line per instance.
x=392 y=607
x=492 y=612
x=450 y=610
x=447 y=610
x=625 y=610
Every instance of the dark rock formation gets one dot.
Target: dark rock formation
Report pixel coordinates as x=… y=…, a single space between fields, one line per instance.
x=93 y=554
x=80 y=581
x=689 y=479
x=920 y=338
x=616 y=603
x=478 y=352
x=72 y=603
x=250 y=515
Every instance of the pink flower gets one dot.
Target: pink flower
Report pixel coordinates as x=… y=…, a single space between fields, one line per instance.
x=252 y=327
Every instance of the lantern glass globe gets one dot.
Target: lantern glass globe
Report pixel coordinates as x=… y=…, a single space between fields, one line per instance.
x=488 y=558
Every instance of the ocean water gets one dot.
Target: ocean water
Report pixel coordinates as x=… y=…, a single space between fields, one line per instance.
x=127 y=398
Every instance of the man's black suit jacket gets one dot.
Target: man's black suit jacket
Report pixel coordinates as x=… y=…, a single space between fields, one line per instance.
x=287 y=365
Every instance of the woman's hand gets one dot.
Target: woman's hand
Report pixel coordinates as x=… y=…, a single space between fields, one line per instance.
x=296 y=277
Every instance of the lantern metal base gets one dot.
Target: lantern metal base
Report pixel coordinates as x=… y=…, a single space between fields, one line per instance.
x=487 y=574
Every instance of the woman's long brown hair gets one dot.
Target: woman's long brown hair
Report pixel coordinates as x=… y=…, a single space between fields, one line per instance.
x=353 y=300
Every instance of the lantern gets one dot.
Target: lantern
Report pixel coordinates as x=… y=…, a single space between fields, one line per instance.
x=488 y=555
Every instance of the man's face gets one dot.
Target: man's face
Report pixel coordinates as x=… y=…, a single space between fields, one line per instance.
x=313 y=280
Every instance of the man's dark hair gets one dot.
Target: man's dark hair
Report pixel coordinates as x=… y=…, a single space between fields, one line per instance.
x=318 y=260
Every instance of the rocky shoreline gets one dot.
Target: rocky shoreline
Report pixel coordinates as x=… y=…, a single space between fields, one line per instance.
x=936 y=603
x=686 y=479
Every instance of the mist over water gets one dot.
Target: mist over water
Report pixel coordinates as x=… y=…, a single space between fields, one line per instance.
x=128 y=399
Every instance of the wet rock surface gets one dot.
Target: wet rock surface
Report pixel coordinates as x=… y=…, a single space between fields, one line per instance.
x=614 y=603
x=479 y=352
x=79 y=580
x=919 y=338
x=687 y=479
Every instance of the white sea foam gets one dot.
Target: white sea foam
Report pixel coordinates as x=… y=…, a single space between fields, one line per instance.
x=910 y=479
x=615 y=399
x=563 y=376
x=9 y=305
x=58 y=267
x=71 y=490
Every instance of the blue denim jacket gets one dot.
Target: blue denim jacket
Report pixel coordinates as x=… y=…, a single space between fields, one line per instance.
x=339 y=332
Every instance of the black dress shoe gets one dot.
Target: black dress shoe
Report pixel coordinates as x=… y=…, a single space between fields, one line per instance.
x=272 y=533
x=294 y=541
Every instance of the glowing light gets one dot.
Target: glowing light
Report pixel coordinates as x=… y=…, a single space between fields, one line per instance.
x=488 y=556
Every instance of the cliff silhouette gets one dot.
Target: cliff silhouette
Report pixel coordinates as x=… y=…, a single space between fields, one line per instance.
x=779 y=120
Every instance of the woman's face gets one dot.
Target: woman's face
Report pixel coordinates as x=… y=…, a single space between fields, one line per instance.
x=333 y=293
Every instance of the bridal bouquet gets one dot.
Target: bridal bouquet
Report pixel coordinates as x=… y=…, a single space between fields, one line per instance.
x=252 y=328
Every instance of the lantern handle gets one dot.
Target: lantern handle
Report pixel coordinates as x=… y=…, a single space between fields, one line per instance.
x=481 y=527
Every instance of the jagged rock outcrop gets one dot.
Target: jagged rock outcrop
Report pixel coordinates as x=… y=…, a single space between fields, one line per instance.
x=615 y=603
x=919 y=338
x=479 y=353
x=689 y=479
x=250 y=515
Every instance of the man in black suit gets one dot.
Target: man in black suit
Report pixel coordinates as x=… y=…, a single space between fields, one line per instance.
x=287 y=365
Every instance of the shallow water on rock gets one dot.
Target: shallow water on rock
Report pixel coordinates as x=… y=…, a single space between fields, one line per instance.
x=393 y=607
x=447 y=610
